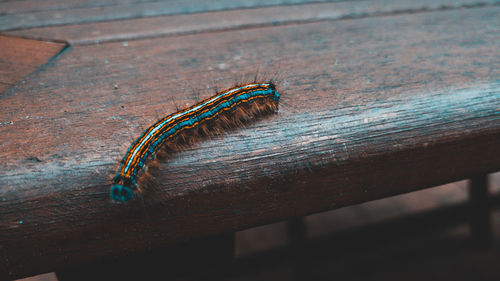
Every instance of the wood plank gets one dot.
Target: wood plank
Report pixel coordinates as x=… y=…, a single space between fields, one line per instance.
x=24 y=6
x=100 y=32
x=19 y=57
x=371 y=108
x=32 y=13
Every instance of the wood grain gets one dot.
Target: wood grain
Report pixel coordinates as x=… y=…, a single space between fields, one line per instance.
x=371 y=107
x=32 y=13
x=19 y=57
x=99 y=32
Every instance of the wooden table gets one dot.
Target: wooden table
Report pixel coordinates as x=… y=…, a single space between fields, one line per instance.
x=378 y=98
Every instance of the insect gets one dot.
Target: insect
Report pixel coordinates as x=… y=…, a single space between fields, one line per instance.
x=227 y=109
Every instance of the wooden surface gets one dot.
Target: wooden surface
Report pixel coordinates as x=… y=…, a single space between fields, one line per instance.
x=136 y=28
x=371 y=107
x=19 y=57
x=33 y=13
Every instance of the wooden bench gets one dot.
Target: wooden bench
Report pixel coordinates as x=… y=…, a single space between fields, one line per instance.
x=377 y=99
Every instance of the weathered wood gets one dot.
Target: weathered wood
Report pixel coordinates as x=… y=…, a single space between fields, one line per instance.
x=19 y=57
x=32 y=13
x=137 y=28
x=371 y=107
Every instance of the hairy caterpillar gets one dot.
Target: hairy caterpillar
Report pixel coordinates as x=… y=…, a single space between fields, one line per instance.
x=226 y=109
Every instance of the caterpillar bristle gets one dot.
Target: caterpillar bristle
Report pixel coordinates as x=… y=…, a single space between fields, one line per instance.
x=225 y=111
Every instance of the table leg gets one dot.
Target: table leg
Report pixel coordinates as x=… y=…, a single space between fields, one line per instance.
x=480 y=217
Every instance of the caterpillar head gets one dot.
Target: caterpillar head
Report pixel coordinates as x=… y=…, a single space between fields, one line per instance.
x=121 y=193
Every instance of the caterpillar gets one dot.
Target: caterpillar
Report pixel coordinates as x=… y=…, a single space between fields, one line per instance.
x=226 y=109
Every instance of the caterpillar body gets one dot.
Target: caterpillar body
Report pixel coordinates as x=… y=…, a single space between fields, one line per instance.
x=226 y=109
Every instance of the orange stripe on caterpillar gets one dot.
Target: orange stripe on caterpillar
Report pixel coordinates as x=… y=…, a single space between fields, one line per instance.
x=222 y=96
x=249 y=100
x=206 y=107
